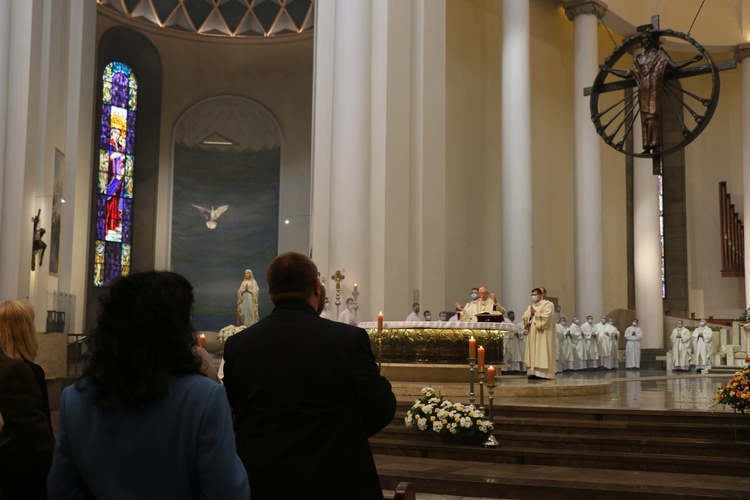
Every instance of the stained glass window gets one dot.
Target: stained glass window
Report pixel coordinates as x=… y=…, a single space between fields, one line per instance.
x=114 y=182
x=661 y=235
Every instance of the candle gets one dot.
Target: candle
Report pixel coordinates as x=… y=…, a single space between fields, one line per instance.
x=480 y=355
x=380 y=321
x=202 y=340
x=472 y=348
x=491 y=375
x=355 y=287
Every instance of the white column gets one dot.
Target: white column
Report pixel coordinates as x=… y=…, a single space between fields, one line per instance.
x=4 y=65
x=350 y=147
x=743 y=52
x=517 y=241
x=647 y=248
x=589 y=252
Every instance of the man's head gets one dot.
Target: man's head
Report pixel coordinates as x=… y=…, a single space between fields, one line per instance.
x=293 y=275
x=511 y=315
x=443 y=316
x=415 y=307
x=483 y=293
x=427 y=315
x=679 y=324
x=474 y=293
x=350 y=303
x=589 y=319
x=537 y=294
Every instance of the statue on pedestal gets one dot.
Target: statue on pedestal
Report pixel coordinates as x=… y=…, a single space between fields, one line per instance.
x=247 y=300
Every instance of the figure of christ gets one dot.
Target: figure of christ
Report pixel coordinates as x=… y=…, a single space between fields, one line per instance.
x=649 y=70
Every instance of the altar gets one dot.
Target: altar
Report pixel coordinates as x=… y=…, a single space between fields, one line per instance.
x=436 y=341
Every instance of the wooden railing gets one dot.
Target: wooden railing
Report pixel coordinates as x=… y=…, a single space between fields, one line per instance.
x=732 y=236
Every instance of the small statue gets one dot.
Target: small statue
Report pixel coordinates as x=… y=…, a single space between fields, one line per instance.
x=38 y=246
x=247 y=301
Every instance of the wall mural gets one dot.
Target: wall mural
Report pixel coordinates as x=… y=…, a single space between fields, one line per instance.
x=225 y=219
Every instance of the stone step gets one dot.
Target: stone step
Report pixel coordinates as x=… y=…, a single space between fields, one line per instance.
x=589 y=459
x=490 y=480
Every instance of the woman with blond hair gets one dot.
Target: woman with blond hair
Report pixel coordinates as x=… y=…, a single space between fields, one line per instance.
x=26 y=456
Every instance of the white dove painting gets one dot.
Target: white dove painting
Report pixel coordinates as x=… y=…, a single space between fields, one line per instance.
x=212 y=215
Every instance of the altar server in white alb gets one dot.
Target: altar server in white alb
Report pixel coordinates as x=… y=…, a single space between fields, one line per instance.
x=579 y=345
x=541 y=345
x=633 y=336
x=681 y=340
x=347 y=315
x=590 y=344
x=703 y=346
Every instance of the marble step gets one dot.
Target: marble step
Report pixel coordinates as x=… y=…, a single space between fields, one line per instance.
x=590 y=459
x=491 y=480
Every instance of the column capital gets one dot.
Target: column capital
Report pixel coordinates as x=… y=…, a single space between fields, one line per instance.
x=743 y=51
x=574 y=8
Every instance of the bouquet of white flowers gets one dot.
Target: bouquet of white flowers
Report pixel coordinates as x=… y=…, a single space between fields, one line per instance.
x=228 y=331
x=434 y=414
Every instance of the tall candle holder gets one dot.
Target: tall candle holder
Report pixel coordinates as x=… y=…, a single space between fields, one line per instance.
x=481 y=387
x=338 y=277
x=491 y=442
x=472 y=364
x=355 y=294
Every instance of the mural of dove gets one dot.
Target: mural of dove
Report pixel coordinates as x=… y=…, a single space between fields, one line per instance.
x=212 y=215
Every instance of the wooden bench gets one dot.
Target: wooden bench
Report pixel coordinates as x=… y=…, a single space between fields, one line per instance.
x=404 y=491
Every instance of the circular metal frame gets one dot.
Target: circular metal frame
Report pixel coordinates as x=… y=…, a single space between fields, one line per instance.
x=615 y=123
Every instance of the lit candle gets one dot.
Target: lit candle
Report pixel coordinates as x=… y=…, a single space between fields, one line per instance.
x=202 y=340
x=491 y=375
x=472 y=348
x=355 y=287
x=480 y=355
x=380 y=321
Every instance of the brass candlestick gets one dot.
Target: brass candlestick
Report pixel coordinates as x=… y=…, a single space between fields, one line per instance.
x=472 y=364
x=491 y=442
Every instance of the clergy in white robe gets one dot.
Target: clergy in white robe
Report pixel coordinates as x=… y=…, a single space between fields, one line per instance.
x=681 y=340
x=541 y=341
x=614 y=340
x=566 y=345
x=603 y=344
x=591 y=345
x=579 y=351
x=703 y=346
x=513 y=348
x=633 y=336
x=414 y=314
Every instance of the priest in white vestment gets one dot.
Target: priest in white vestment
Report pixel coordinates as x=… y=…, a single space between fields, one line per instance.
x=703 y=345
x=482 y=304
x=591 y=346
x=541 y=341
x=579 y=352
x=614 y=340
x=633 y=336
x=566 y=345
x=681 y=340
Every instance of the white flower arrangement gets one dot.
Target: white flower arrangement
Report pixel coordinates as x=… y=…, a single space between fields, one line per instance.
x=228 y=331
x=434 y=414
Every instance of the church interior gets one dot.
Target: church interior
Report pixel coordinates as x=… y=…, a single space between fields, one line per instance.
x=413 y=149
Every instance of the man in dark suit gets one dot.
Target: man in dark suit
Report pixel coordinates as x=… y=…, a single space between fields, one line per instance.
x=27 y=441
x=306 y=393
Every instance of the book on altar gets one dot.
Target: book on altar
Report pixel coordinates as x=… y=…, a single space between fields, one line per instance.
x=490 y=317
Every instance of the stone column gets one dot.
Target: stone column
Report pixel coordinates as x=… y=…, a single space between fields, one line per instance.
x=344 y=64
x=589 y=251
x=647 y=251
x=743 y=51
x=4 y=58
x=517 y=234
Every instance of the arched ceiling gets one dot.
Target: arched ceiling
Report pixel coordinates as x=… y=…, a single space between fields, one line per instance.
x=220 y=18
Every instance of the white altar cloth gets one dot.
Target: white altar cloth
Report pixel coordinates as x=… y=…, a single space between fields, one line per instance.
x=443 y=325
